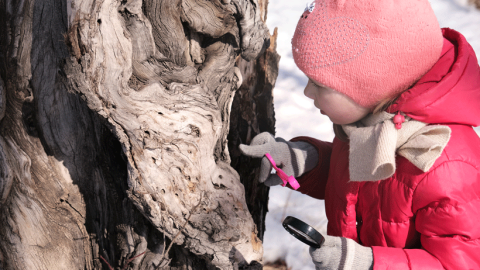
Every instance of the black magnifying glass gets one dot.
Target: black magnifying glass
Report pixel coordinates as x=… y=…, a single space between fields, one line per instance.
x=303 y=232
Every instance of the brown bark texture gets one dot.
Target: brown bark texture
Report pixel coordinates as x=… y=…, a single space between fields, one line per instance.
x=476 y=3
x=120 y=123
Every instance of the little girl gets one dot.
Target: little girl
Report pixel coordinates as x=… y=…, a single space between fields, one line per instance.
x=401 y=180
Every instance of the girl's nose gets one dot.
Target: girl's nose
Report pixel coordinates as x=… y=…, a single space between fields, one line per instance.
x=308 y=91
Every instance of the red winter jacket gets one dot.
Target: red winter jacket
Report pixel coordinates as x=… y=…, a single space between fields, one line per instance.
x=415 y=220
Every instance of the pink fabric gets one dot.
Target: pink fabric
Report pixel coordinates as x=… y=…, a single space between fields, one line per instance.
x=415 y=220
x=368 y=50
x=404 y=259
x=458 y=72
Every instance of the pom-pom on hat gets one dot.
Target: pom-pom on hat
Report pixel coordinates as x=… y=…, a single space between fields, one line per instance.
x=369 y=50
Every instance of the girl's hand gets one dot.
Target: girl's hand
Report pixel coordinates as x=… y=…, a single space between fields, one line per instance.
x=294 y=158
x=341 y=253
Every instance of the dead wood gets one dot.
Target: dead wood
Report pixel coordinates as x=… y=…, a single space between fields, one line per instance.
x=113 y=134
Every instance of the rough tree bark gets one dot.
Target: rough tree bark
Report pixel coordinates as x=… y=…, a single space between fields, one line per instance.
x=113 y=136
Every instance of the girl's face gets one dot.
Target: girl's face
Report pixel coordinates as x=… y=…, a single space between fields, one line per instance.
x=340 y=108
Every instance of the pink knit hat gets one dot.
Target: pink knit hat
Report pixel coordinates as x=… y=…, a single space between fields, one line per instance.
x=369 y=50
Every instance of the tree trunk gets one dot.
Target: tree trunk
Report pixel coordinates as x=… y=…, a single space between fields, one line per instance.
x=476 y=3
x=113 y=135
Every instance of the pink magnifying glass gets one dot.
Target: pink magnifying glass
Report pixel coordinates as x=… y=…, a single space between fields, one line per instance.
x=285 y=178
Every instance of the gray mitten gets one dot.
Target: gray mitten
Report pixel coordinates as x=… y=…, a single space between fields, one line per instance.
x=294 y=158
x=341 y=253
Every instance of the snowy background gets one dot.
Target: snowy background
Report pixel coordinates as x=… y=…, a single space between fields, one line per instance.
x=296 y=115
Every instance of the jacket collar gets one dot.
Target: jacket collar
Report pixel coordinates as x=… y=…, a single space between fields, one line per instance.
x=450 y=91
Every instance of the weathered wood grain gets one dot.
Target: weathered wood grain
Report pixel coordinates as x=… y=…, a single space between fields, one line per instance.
x=113 y=134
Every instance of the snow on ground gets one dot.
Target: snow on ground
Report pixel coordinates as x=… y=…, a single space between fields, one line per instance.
x=296 y=115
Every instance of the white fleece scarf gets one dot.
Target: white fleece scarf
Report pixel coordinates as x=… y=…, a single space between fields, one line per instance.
x=374 y=142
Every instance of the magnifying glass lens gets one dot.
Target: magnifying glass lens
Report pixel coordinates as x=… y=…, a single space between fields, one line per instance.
x=303 y=232
x=303 y=235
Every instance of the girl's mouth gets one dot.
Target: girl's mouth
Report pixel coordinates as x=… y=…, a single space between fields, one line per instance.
x=322 y=112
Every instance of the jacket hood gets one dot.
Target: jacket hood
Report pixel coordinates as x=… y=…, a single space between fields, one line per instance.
x=450 y=92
